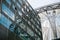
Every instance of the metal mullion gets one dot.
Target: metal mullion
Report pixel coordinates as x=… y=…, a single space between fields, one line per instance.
x=31 y=22
x=11 y=5
x=7 y=16
x=30 y=26
x=37 y=23
x=14 y=22
x=32 y=9
x=17 y=7
x=34 y=25
x=17 y=14
x=7 y=3
x=28 y=8
x=8 y=6
x=32 y=29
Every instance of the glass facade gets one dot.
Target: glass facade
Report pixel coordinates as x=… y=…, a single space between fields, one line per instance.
x=20 y=19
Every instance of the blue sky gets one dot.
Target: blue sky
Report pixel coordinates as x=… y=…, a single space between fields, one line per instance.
x=40 y=3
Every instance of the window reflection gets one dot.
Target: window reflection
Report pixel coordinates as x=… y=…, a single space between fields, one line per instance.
x=0 y=15
x=8 y=1
x=20 y=1
x=30 y=32
x=13 y=6
x=18 y=4
x=20 y=13
x=4 y=21
x=7 y=11
x=22 y=26
x=13 y=0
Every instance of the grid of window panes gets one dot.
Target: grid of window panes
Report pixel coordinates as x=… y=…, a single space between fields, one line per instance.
x=19 y=17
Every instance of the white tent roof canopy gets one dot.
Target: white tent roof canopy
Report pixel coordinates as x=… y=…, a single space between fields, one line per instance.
x=40 y=3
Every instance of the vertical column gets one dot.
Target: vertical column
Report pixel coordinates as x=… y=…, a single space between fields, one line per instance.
x=52 y=22
x=54 y=25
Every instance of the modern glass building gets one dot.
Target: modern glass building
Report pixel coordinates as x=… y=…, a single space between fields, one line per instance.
x=19 y=21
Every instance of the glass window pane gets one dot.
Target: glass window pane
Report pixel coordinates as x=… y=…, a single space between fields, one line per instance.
x=4 y=21
x=7 y=11
x=20 y=1
x=0 y=15
x=18 y=4
x=22 y=26
x=13 y=6
x=13 y=0
x=20 y=13
x=30 y=32
x=8 y=1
